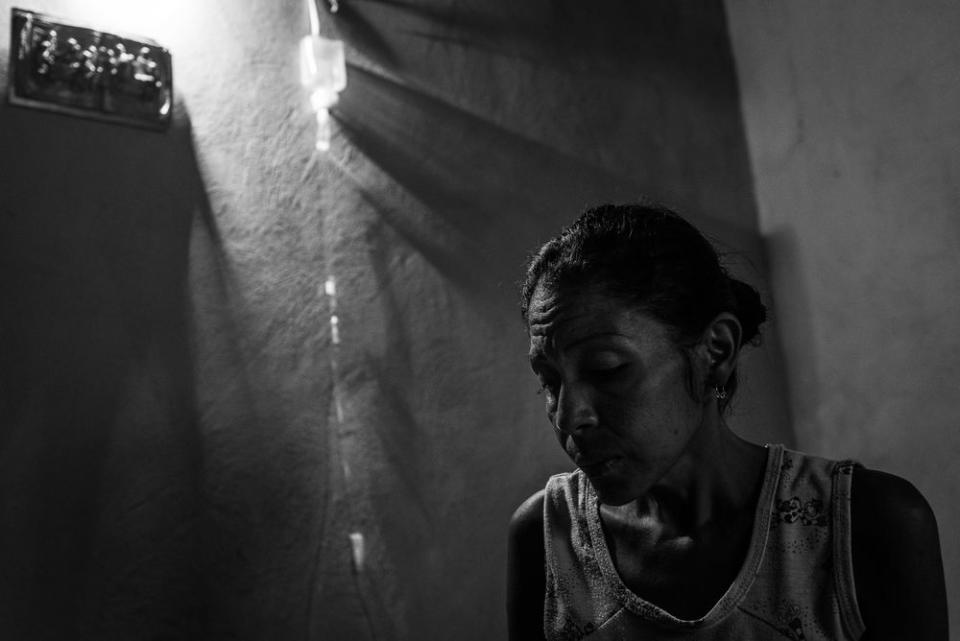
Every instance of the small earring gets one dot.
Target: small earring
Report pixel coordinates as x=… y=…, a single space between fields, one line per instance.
x=720 y=392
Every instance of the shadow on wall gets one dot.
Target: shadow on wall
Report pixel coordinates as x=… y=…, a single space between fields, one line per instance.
x=600 y=37
x=487 y=191
x=100 y=450
x=504 y=121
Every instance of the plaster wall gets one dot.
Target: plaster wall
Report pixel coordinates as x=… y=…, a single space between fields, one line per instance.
x=850 y=113
x=164 y=380
x=186 y=446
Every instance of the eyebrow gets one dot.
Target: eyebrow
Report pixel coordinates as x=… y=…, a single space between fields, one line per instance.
x=538 y=356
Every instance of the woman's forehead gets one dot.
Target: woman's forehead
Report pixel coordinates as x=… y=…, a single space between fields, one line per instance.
x=552 y=309
x=551 y=306
x=560 y=319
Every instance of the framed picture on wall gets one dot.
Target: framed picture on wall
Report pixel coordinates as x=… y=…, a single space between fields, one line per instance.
x=81 y=71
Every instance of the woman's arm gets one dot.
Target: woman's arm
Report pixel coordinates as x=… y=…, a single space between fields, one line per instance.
x=525 y=571
x=897 y=567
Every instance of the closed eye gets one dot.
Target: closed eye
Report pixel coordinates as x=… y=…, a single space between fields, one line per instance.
x=606 y=373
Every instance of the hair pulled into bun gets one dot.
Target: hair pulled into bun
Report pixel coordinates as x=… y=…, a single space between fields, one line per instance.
x=653 y=258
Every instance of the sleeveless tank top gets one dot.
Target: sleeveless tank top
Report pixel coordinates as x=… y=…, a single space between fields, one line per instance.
x=796 y=582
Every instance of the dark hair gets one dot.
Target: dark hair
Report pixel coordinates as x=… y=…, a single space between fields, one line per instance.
x=650 y=256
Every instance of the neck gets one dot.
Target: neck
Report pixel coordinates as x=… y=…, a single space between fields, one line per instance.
x=717 y=479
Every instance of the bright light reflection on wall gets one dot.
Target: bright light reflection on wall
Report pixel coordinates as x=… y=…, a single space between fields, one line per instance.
x=169 y=22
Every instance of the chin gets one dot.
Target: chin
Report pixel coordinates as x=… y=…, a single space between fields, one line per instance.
x=612 y=493
x=615 y=484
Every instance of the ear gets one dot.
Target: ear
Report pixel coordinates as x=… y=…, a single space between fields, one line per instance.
x=720 y=343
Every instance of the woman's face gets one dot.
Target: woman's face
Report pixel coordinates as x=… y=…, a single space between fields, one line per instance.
x=616 y=388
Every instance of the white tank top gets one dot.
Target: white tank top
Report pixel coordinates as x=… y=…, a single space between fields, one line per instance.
x=796 y=582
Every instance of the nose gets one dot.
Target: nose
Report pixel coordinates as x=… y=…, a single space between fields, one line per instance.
x=575 y=409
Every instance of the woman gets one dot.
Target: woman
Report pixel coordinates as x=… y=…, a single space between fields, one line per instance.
x=673 y=526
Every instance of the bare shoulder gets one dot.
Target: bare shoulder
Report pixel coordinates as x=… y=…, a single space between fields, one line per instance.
x=887 y=499
x=898 y=570
x=526 y=570
x=526 y=548
x=528 y=517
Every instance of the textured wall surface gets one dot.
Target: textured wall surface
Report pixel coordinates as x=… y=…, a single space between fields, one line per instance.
x=185 y=449
x=851 y=115
x=164 y=457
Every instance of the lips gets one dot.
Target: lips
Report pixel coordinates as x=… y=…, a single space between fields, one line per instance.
x=596 y=466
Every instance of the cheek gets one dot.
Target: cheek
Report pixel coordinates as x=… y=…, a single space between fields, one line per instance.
x=626 y=417
x=652 y=419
